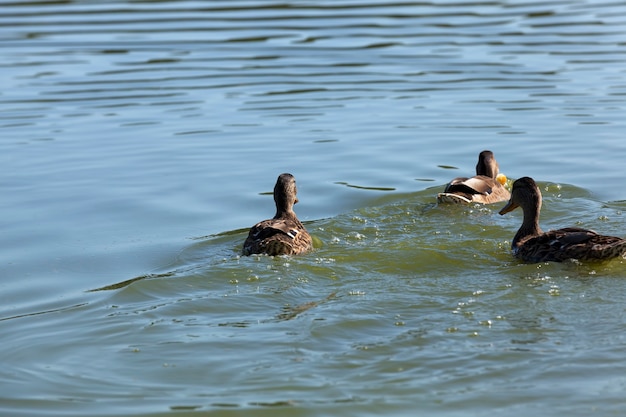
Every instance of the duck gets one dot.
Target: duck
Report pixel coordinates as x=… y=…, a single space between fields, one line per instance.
x=283 y=234
x=531 y=244
x=486 y=187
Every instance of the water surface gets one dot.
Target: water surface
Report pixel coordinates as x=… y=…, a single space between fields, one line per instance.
x=141 y=139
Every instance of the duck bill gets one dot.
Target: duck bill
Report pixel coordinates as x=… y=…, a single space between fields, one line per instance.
x=510 y=206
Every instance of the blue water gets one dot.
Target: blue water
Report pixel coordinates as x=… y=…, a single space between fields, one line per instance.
x=140 y=141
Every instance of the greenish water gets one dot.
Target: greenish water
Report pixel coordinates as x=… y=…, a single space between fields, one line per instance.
x=140 y=140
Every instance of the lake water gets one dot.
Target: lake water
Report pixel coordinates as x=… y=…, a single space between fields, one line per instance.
x=140 y=140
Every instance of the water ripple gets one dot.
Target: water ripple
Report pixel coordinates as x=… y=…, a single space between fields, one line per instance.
x=128 y=126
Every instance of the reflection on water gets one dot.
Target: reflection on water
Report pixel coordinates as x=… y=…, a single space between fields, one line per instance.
x=140 y=139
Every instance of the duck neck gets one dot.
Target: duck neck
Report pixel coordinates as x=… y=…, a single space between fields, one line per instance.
x=486 y=170
x=530 y=225
x=284 y=209
x=487 y=166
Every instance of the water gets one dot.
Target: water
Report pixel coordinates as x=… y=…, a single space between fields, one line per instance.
x=140 y=140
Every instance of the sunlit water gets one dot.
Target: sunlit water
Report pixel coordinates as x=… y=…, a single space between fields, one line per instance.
x=140 y=140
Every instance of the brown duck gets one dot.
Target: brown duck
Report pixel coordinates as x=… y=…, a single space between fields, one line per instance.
x=283 y=234
x=531 y=244
x=486 y=187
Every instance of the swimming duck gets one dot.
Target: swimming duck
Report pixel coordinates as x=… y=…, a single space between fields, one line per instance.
x=531 y=244
x=283 y=234
x=486 y=187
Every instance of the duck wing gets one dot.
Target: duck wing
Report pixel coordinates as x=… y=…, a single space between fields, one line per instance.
x=271 y=227
x=479 y=184
x=477 y=189
x=571 y=236
x=570 y=243
x=277 y=237
x=268 y=228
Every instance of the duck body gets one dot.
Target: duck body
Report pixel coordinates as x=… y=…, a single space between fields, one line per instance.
x=478 y=189
x=531 y=244
x=283 y=234
x=486 y=187
x=568 y=243
x=277 y=237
